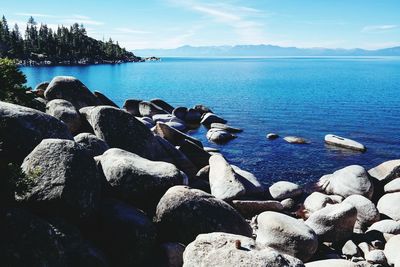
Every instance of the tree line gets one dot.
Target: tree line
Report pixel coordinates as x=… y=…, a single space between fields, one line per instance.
x=66 y=45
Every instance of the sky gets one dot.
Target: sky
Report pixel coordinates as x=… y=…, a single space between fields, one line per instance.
x=368 y=24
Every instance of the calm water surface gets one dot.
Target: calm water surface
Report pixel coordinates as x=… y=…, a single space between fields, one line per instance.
x=354 y=97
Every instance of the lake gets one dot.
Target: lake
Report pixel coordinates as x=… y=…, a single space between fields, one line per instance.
x=358 y=98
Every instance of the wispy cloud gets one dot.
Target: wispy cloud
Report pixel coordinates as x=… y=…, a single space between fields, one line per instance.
x=35 y=15
x=379 y=28
x=129 y=30
x=81 y=19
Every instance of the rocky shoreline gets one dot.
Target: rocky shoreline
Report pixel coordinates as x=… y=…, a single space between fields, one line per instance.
x=102 y=185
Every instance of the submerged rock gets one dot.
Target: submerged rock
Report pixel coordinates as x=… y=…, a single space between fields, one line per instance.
x=344 y=142
x=295 y=140
x=65 y=112
x=388 y=205
x=225 y=127
x=71 y=89
x=351 y=180
x=222 y=249
x=21 y=129
x=272 y=136
x=183 y=213
x=60 y=180
x=286 y=234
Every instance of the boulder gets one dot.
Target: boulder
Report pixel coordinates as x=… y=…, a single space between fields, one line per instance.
x=183 y=213
x=21 y=129
x=286 y=234
x=78 y=252
x=42 y=86
x=180 y=126
x=350 y=249
x=210 y=118
x=335 y=140
x=193 y=116
x=94 y=145
x=392 y=250
x=223 y=250
x=252 y=184
x=283 y=189
x=296 y=140
x=317 y=201
x=149 y=123
x=132 y=106
x=60 y=179
x=70 y=89
x=386 y=171
x=386 y=226
x=334 y=222
x=376 y=257
x=272 y=136
x=388 y=205
x=393 y=186
x=250 y=208
x=180 y=112
x=174 y=136
x=162 y=104
x=351 y=180
x=65 y=112
x=195 y=154
x=225 y=127
x=148 y=109
x=224 y=181
x=104 y=100
x=27 y=240
x=219 y=136
x=367 y=213
x=127 y=236
x=172 y=254
x=139 y=180
x=202 y=109
x=163 y=118
x=332 y=263
x=288 y=203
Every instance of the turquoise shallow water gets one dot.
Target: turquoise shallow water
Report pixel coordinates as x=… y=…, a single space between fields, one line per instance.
x=357 y=98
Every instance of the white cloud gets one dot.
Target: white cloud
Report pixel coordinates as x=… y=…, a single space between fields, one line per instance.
x=81 y=21
x=379 y=28
x=129 y=30
x=35 y=15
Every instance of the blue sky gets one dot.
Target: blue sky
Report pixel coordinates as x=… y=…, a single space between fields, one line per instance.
x=367 y=24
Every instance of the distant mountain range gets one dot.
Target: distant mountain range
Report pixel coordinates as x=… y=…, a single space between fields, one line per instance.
x=262 y=51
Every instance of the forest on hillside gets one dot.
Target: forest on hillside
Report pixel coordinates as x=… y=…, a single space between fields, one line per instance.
x=41 y=45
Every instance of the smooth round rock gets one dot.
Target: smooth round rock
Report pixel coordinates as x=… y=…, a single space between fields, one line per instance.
x=272 y=136
x=339 y=141
x=296 y=140
x=393 y=186
x=283 y=189
x=331 y=263
x=286 y=234
x=249 y=208
x=386 y=226
x=210 y=118
x=316 y=201
x=376 y=257
x=392 y=249
x=389 y=205
x=217 y=135
x=94 y=145
x=367 y=213
x=225 y=127
x=65 y=112
x=386 y=171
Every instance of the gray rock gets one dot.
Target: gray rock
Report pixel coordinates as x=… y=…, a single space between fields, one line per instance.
x=148 y=109
x=104 y=100
x=172 y=254
x=252 y=184
x=283 y=189
x=195 y=154
x=386 y=226
x=223 y=250
x=272 y=136
x=163 y=118
x=42 y=86
x=219 y=136
x=250 y=208
x=132 y=106
x=386 y=171
x=180 y=112
x=376 y=257
x=225 y=127
x=350 y=249
x=70 y=89
x=183 y=213
x=344 y=142
x=65 y=112
x=60 y=179
x=351 y=180
x=148 y=122
x=392 y=250
x=388 y=205
x=332 y=263
x=288 y=203
x=176 y=125
x=174 y=136
x=138 y=180
x=334 y=222
x=202 y=109
x=162 y=104
x=21 y=129
x=286 y=234
x=295 y=140
x=127 y=236
x=210 y=118
x=27 y=240
x=211 y=149
x=193 y=116
x=94 y=145
x=393 y=186
x=224 y=181
x=367 y=213
x=317 y=201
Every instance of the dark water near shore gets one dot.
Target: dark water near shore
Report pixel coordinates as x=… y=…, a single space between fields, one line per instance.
x=358 y=98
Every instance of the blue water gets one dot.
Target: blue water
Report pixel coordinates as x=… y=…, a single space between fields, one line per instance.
x=357 y=98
